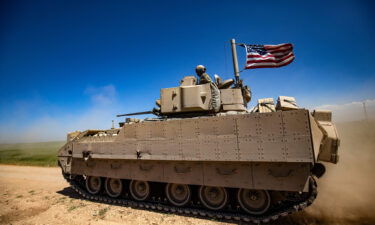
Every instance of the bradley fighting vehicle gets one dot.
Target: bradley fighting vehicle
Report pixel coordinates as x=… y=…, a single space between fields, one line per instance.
x=206 y=154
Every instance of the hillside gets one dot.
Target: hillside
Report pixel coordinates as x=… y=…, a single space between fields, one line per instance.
x=32 y=154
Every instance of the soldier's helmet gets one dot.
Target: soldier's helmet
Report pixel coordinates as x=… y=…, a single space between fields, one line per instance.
x=200 y=69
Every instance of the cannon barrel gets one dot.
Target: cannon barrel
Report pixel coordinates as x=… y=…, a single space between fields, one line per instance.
x=137 y=113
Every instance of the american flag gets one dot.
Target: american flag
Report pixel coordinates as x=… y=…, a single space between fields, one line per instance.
x=268 y=56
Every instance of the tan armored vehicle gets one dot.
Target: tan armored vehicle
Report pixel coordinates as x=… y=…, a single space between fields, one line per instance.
x=206 y=154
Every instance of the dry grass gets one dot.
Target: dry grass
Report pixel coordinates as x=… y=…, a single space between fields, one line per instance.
x=30 y=154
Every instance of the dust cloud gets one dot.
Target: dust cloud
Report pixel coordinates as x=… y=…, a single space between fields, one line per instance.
x=346 y=193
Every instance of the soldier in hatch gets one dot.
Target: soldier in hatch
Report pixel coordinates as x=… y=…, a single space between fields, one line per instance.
x=204 y=78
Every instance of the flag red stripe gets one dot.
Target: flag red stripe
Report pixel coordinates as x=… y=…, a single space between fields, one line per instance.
x=281 y=50
x=256 y=65
x=269 y=66
x=271 y=62
x=268 y=59
x=273 y=47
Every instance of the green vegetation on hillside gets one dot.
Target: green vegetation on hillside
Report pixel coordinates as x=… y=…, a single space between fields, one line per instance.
x=31 y=154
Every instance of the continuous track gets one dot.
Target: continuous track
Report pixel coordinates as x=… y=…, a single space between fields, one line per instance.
x=282 y=210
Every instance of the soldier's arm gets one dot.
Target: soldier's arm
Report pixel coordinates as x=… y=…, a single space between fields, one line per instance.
x=205 y=79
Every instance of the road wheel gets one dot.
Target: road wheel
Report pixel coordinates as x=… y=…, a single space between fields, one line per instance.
x=93 y=184
x=178 y=194
x=255 y=202
x=113 y=187
x=139 y=190
x=214 y=198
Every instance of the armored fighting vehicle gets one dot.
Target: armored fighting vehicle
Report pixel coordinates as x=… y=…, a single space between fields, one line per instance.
x=205 y=153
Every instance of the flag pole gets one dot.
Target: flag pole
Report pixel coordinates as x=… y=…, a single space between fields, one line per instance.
x=235 y=62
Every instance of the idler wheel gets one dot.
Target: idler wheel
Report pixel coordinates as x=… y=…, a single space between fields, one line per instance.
x=255 y=202
x=113 y=187
x=93 y=184
x=139 y=190
x=178 y=194
x=214 y=198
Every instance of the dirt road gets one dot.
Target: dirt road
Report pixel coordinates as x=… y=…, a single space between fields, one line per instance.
x=36 y=195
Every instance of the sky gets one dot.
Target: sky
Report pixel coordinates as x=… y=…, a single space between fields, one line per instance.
x=74 y=65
